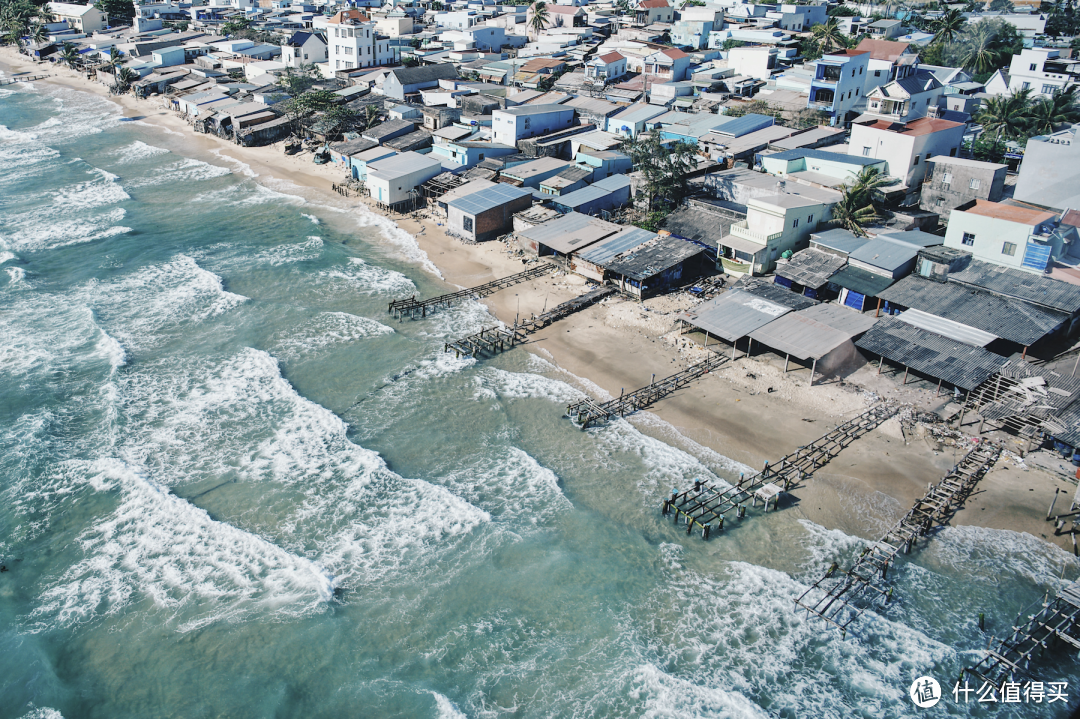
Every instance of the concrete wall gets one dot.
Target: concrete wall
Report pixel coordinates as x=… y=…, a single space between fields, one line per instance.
x=990 y=235
x=937 y=196
x=490 y=224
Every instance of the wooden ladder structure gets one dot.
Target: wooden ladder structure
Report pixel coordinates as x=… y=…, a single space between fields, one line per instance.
x=497 y=339
x=1058 y=621
x=413 y=307
x=831 y=597
x=705 y=506
x=589 y=411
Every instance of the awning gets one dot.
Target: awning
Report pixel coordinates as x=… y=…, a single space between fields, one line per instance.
x=861 y=281
x=741 y=244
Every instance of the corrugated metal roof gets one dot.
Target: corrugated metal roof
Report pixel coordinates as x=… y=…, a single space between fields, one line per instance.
x=947 y=328
x=932 y=354
x=775 y=293
x=591 y=192
x=734 y=314
x=805 y=152
x=838 y=239
x=1026 y=286
x=638 y=113
x=739 y=126
x=488 y=198
x=1013 y=320
x=573 y=231
x=840 y=318
x=623 y=241
x=800 y=336
x=655 y=257
x=810 y=268
x=401 y=165
x=862 y=281
x=885 y=253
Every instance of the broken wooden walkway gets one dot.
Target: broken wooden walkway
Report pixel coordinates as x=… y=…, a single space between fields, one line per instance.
x=831 y=597
x=589 y=411
x=705 y=506
x=497 y=339
x=413 y=307
x=25 y=78
x=1056 y=622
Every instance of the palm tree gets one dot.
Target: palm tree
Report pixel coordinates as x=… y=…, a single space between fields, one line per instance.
x=1045 y=115
x=540 y=16
x=124 y=78
x=854 y=211
x=371 y=114
x=1005 y=116
x=978 y=52
x=948 y=26
x=116 y=58
x=827 y=36
x=69 y=54
x=38 y=33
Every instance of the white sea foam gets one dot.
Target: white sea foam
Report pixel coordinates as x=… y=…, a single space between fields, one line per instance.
x=77 y=114
x=138 y=151
x=313 y=218
x=241 y=166
x=7 y=257
x=42 y=229
x=327 y=329
x=43 y=713
x=359 y=276
x=997 y=555
x=113 y=350
x=446 y=708
x=16 y=275
x=181 y=171
x=292 y=252
x=104 y=190
x=405 y=243
x=664 y=695
x=495 y=383
x=159 y=547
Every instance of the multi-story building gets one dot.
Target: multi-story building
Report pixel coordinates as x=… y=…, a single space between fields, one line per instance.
x=773 y=225
x=954 y=181
x=906 y=147
x=1050 y=172
x=1043 y=71
x=605 y=68
x=304 y=47
x=354 y=43
x=1023 y=238
x=906 y=99
x=837 y=83
x=647 y=12
x=889 y=61
x=519 y=123
x=85 y=18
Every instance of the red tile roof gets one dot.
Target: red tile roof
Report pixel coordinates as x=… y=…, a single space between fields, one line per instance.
x=611 y=57
x=847 y=53
x=348 y=15
x=674 y=53
x=1072 y=218
x=564 y=9
x=653 y=3
x=883 y=49
x=922 y=126
x=1010 y=213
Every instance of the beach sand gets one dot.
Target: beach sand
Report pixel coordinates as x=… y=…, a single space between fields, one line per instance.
x=618 y=344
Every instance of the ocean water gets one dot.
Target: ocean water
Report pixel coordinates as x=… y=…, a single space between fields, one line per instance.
x=231 y=486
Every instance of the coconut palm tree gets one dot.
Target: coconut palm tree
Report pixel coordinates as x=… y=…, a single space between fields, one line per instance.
x=978 y=52
x=1045 y=115
x=38 y=33
x=948 y=26
x=124 y=78
x=827 y=36
x=69 y=54
x=116 y=58
x=539 y=16
x=854 y=211
x=1005 y=116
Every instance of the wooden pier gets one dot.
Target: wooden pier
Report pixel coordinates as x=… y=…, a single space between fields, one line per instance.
x=413 y=307
x=705 y=506
x=25 y=78
x=1055 y=623
x=589 y=411
x=497 y=339
x=831 y=597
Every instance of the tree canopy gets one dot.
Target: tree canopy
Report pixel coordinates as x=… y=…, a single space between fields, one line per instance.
x=119 y=11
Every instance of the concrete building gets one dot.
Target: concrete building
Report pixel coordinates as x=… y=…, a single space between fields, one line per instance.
x=605 y=68
x=602 y=196
x=84 y=18
x=518 y=123
x=487 y=213
x=906 y=147
x=954 y=181
x=773 y=225
x=819 y=167
x=404 y=81
x=694 y=26
x=648 y=12
x=754 y=61
x=1042 y=70
x=632 y=120
x=354 y=43
x=906 y=99
x=888 y=61
x=837 y=83
x=395 y=182
x=304 y=47
x=1022 y=238
x=533 y=172
x=463 y=154
x=1050 y=172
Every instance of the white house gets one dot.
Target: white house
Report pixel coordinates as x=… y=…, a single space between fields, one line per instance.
x=837 y=83
x=396 y=180
x=519 y=123
x=906 y=99
x=1023 y=238
x=773 y=225
x=1043 y=71
x=304 y=47
x=648 y=12
x=605 y=68
x=354 y=43
x=888 y=61
x=85 y=18
x=755 y=61
x=906 y=147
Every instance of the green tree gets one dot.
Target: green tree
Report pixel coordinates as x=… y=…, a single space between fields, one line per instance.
x=988 y=148
x=303 y=107
x=665 y=167
x=125 y=77
x=827 y=36
x=1045 y=115
x=842 y=11
x=1000 y=6
x=948 y=26
x=298 y=80
x=729 y=44
x=115 y=59
x=856 y=208
x=69 y=54
x=232 y=27
x=336 y=120
x=538 y=16
x=119 y=11
x=1005 y=116
x=979 y=51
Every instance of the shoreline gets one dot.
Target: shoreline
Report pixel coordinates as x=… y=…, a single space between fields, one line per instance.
x=747 y=411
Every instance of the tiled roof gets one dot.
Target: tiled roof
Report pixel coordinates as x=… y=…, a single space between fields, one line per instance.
x=611 y=57
x=348 y=16
x=810 y=268
x=887 y=50
x=1010 y=213
x=653 y=3
x=1026 y=286
x=922 y=126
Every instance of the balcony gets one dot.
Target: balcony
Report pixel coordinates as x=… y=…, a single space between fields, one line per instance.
x=740 y=229
x=823 y=106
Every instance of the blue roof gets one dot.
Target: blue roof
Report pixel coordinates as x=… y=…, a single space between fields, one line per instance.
x=613 y=182
x=739 y=126
x=488 y=198
x=592 y=192
x=623 y=241
x=800 y=153
x=839 y=239
x=638 y=113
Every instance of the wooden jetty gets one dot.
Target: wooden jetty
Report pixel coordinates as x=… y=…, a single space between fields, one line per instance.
x=1057 y=622
x=831 y=597
x=25 y=78
x=705 y=506
x=589 y=411
x=413 y=307
x=496 y=339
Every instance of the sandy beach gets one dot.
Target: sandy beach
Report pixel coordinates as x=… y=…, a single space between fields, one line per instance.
x=749 y=410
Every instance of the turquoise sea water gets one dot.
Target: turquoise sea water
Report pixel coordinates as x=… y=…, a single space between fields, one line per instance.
x=231 y=486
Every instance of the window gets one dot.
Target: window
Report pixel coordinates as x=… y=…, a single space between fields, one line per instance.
x=1033 y=67
x=877 y=73
x=916 y=161
x=467 y=224
x=946 y=179
x=860 y=70
x=481 y=157
x=795 y=223
x=1025 y=85
x=1008 y=248
x=975 y=183
x=1048 y=89
x=810 y=218
x=968 y=239
x=866 y=152
x=952 y=152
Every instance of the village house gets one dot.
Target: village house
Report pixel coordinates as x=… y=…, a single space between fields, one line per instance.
x=304 y=47
x=84 y=18
x=403 y=81
x=647 y=12
x=394 y=182
x=1023 y=238
x=837 y=83
x=906 y=147
x=954 y=181
x=906 y=99
x=487 y=213
x=513 y=124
